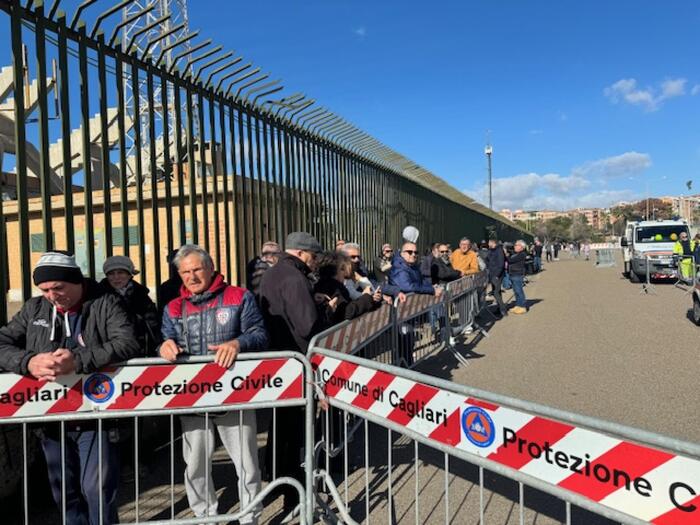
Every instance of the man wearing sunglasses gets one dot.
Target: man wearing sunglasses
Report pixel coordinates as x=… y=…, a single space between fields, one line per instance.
x=441 y=270
x=406 y=275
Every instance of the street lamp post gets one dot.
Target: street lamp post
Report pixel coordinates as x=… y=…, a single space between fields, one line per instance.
x=488 y=150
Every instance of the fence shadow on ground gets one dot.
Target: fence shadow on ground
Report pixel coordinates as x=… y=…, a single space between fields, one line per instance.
x=463 y=481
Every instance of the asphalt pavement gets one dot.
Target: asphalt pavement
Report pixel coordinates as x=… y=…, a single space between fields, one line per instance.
x=591 y=343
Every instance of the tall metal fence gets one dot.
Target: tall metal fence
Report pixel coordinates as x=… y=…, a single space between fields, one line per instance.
x=207 y=158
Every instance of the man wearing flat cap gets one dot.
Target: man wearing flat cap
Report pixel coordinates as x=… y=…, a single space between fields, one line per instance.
x=73 y=327
x=291 y=317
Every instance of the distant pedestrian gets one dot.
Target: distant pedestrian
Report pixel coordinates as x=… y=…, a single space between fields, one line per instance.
x=549 y=251
x=537 y=255
x=516 y=270
x=496 y=267
x=587 y=250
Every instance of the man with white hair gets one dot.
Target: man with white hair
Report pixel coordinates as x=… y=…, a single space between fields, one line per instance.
x=516 y=270
x=213 y=317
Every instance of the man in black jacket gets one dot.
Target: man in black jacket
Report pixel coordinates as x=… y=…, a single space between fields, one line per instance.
x=73 y=328
x=496 y=267
x=516 y=269
x=441 y=271
x=292 y=319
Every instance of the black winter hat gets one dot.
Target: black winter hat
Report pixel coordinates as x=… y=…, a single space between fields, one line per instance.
x=57 y=266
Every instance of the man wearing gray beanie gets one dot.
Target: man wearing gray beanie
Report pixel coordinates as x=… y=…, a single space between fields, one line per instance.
x=73 y=327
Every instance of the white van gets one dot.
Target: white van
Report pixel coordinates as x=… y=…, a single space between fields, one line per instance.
x=653 y=241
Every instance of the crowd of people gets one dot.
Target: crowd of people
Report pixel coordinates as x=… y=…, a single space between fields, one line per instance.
x=77 y=326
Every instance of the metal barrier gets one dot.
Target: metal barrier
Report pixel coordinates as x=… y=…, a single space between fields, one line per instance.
x=420 y=328
x=370 y=335
x=411 y=331
x=605 y=258
x=686 y=272
x=647 y=286
x=427 y=425
x=154 y=387
x=625 y=474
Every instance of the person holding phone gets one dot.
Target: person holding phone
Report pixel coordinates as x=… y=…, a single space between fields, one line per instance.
x=332 y=295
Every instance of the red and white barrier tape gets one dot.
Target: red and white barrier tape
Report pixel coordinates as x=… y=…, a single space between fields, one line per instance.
x=150 y=387
x=649 y=484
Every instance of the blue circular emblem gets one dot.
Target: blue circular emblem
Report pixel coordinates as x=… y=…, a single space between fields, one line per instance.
x=98 y=388
x=478 y=427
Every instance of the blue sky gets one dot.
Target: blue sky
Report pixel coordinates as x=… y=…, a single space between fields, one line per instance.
x=587 y=102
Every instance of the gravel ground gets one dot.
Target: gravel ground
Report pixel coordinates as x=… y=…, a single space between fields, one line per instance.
x=590 y=344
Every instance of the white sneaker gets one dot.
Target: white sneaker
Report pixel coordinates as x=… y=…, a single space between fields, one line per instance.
x=468 y=330
x=453 y=341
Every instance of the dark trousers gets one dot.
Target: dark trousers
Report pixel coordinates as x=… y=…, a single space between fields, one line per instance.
x=288 y=445
x=537 y=261
x=518 y=285
x=83 y=488
x=549 y=256
x=496 y=289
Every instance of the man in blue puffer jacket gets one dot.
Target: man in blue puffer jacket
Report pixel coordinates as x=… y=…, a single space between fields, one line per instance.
x=406 y=275
x=211 y=316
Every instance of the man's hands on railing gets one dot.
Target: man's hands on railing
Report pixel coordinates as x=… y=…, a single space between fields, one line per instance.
x=49 y=365
x=169 y=350
x=439 y=290
x=226 y=353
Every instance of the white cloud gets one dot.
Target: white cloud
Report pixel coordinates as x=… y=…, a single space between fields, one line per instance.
x=627 y=164
x=530 y=190
x=360 y=31
x=695 y=90
x=650 y=98
x=580 y=189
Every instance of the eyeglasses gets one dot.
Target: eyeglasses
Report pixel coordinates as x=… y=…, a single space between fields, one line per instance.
x=411 y=252
x=444 y=251
x=353 y=257
x=388 y=251
x=269 y=254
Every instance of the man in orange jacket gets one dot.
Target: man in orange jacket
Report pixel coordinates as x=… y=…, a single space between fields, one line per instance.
x=465 y=260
